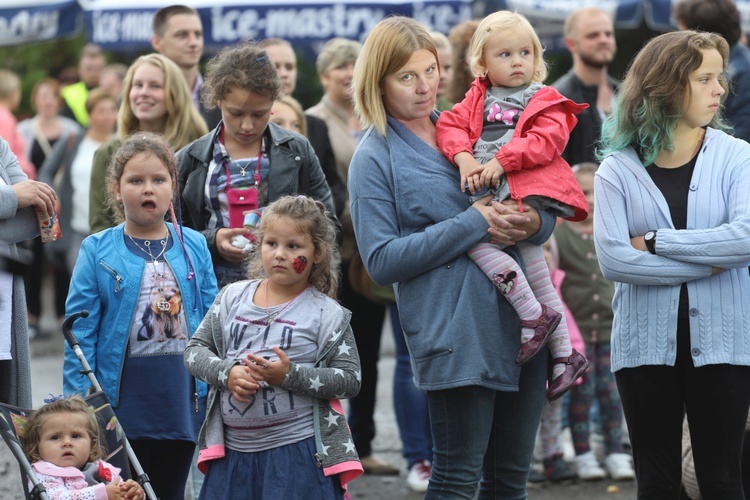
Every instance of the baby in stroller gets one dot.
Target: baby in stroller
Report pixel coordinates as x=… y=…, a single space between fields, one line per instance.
x=62 y=444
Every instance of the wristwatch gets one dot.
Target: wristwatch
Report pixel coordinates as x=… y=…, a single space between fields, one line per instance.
x=650 y=240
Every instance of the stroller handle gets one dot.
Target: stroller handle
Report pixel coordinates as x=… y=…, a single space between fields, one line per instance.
x=67 y=327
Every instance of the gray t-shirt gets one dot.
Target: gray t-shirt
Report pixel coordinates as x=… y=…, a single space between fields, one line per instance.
x=502 y=109
x=274 y=416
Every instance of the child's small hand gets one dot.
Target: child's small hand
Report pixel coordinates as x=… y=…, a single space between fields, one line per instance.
x=132 y=489
x=467 y=163
x=224 y=244
x=492 y=173
x=114 y=492
x=272 y=372
x=242 y=383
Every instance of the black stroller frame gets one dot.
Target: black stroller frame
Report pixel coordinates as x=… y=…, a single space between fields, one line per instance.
x=12 y=421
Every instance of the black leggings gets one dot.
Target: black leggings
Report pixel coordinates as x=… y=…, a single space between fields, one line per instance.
x=716 y=399
x=367 y=324
x=167 y=464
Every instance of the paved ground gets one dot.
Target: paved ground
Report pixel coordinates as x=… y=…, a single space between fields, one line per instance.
x=46 y=378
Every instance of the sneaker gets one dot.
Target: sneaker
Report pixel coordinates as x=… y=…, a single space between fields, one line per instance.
x=558 y=470
x=588 y=467
x=619 y=466
x=376 y=467
x=419 y=476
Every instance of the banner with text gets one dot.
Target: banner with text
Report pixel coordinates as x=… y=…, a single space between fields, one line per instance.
x=310 y=23
x=37 y=21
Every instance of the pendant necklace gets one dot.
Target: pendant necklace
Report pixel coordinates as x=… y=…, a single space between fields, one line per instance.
x=243 y=166
x=158 y=278
x=271 y=317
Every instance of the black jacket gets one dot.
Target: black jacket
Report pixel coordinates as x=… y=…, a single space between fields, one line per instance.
x=585 y=136
x=294 y=169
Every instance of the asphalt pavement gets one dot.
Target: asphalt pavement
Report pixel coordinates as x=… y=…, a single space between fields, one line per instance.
x=46 y=379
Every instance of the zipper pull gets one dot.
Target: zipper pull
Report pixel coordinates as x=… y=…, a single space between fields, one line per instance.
x=318 y=463
x=195 y=395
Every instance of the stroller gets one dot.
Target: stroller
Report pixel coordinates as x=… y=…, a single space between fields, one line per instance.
x=120 y=454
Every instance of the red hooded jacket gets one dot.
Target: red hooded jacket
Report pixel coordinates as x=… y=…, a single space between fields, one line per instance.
x=539 y=139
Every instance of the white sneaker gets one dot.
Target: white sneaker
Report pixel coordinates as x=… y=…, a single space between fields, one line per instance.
x=588 y=467
x=619 y=466
x=419 y=476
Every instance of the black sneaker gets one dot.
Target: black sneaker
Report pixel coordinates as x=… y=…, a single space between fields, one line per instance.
x=557 y=470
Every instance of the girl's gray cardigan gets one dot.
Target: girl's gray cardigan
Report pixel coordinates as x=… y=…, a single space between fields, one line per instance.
x=647 y=287
x=336 y=375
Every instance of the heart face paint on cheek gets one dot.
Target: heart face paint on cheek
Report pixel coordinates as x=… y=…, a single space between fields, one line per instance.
x=300 y=264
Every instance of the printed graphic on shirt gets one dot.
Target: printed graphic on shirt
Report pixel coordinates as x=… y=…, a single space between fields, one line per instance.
x=502 y=109
x=249 y=331
x=159 y=325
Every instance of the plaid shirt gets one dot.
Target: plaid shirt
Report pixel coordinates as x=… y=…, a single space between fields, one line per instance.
x=216 y=181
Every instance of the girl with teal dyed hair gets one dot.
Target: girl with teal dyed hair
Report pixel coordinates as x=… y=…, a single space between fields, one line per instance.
x=672 y=230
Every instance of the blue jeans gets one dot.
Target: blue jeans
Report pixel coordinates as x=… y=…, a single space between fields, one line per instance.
x=481 y=433
x=409 y=403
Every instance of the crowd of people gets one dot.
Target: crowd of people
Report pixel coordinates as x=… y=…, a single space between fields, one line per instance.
x=244 y=252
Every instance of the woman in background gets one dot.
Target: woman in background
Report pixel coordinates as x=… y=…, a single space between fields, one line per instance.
x=19 y=198
x=156 y=98
x=46 y=133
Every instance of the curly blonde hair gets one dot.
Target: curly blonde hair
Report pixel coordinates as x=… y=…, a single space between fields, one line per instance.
x=497 y=23
x=309 y=217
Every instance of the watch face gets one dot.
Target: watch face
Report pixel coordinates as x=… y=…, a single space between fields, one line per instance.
x=649 y=236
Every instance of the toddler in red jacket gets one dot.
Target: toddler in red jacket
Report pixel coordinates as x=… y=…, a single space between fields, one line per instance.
x=507 y=137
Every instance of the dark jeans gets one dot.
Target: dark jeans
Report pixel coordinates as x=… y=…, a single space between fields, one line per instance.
x=716 y=399
x=483 y=433
x=35 y=274
x=367 y=324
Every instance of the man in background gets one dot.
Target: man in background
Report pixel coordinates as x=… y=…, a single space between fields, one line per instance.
x=178 y=35
x=282 y=56
x=590 y=38
x=74 y=96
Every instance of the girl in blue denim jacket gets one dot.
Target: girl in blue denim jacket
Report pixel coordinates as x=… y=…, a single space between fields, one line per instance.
x=146 y=284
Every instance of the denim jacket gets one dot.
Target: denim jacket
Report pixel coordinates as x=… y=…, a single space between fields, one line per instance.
x=106 y=282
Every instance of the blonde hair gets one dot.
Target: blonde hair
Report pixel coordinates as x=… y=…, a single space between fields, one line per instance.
x=184 y=122
x=71 y=404
x=388 y=47
x=311 y=218
x=297 y=108
x=495 y=24
x=335 y=52
x=9 y=84
x=440 y=40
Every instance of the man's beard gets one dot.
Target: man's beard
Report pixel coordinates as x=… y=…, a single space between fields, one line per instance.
x=594 y=63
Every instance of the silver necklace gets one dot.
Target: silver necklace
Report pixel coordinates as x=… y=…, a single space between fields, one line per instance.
x=147 y=250
x=156 y=275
